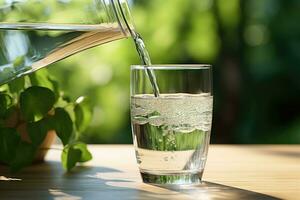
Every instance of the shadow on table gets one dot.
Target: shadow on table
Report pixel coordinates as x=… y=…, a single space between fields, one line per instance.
x=49 y=181
x=288 y=153
x=209 y=190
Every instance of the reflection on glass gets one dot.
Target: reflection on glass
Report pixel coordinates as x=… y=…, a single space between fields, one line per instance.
x=34 y=34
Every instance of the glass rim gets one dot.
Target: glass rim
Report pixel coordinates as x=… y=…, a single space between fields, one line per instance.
x=172 y=66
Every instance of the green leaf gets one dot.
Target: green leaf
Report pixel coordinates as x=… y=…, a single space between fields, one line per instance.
x=19 y=63
x=83 y=114
x=36 y=102
x=40 y=78
x=70 y=157
x=5 y=102
x=66 y=98
x=43 y=79
x=4 y=87
x=63 y=125
x=17 y=85
x=85 y=154
x=9 y=139
x=24 y=156
x=55 y=88
x=37 y=131
x=74 y=153
x=6 y=74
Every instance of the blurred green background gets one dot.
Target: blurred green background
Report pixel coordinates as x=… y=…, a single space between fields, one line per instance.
x=254 y=47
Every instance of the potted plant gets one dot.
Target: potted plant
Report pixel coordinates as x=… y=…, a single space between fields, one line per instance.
x=33 y=110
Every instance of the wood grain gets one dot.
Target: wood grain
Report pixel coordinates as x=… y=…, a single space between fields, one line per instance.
x=232 y=172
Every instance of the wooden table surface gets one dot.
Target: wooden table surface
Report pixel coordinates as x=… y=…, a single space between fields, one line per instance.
x=232 y=172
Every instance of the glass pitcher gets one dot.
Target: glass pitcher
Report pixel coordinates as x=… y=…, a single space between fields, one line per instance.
x=36 y=33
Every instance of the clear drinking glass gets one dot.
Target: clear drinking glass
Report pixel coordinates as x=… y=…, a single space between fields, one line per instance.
x=171 y=132
x=36 y=33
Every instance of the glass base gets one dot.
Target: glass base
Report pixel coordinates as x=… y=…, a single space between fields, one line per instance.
x=172 y=179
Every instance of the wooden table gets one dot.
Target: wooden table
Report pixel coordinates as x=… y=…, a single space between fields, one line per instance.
x=232 y=172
